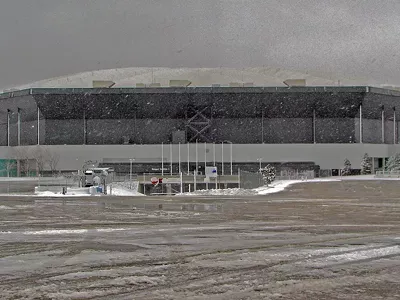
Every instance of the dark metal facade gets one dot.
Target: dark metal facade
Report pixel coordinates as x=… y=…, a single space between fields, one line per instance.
x=163 y=115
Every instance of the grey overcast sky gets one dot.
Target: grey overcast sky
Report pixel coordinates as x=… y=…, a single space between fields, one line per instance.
x=40 y=39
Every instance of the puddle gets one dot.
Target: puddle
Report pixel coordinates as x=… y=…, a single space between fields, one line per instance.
x=184 y=207
x=189 y=207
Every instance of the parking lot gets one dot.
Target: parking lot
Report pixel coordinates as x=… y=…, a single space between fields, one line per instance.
x=326 y=240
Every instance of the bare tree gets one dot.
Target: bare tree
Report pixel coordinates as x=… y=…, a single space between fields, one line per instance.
x=52 y=159
x=39 y=155
x=10 y=165
x=23 y=157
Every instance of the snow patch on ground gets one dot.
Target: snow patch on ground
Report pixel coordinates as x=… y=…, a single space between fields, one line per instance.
x=118 y=189
x=354 y=256
x=281 y=185
x=65 y=231
x=124 y=189
x=56 y=232
x=52 y=194
x=3 y=207
x=125 y=192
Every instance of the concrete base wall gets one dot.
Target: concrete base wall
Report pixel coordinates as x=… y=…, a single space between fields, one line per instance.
x=328 y=156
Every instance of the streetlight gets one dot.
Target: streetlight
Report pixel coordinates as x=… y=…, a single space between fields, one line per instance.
x=131 y=160
x=259 y=160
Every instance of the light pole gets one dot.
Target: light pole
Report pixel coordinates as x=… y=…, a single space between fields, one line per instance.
x=130 y=172
x=259 y=160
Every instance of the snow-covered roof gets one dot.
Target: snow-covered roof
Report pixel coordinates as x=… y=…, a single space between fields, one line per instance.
x=130 y=77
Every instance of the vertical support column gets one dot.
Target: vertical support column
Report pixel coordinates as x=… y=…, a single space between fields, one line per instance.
x=262 y=126
x=394 y=126
x=19 y=127
x=84 y=125
x=188 y=157
x=197 y=157
x=383 y=124
x=314 y=127
x=8 y=127
x=361 y=127
x=205 y=156
x=231 y=158
x=170 y=157
x=179 y=159
x=373 y=165
x=38 y=126
x=222 y=158
x=162 y=159
x=214 y=153
x=197 y=167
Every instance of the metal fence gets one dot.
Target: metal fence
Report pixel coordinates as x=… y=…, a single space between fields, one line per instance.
x=323 y=173
x=295 y=175
x=387 y=174
x=302 y=175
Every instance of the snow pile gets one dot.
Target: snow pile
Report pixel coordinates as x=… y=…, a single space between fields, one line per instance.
x=281 y=185
x=53 y=194
x=124 y=192
x=123 y=189
x=118 y=189
x=275 y=187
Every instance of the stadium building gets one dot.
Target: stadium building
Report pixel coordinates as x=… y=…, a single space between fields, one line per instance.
x=167 y=128
x=321 y=125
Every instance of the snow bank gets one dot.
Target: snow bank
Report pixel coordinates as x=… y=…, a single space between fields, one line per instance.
x=122 y=189
x=118 y=189
x=52 y=194
x=115 y=192
x=281 y=185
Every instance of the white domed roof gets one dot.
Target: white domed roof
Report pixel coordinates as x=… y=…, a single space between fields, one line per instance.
x=129 y=77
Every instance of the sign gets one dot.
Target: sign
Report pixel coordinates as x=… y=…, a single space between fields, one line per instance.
x=211 y=172
x=154 y=180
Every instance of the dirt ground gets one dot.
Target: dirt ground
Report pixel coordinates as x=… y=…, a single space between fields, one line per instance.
x=328 y=240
